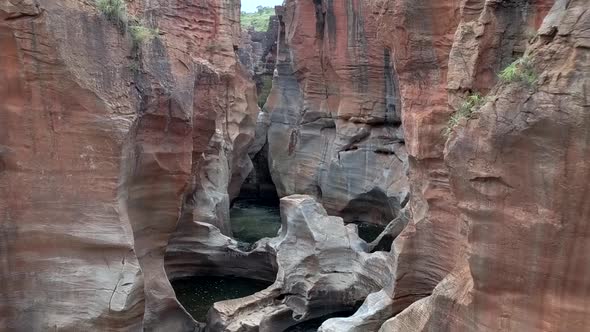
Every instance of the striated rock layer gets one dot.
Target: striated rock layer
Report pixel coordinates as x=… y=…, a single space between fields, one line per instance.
x=119 y=158
x=258 y=51
x=523 y=194
x=443 y=51
x=102 y=135
x=483 y=232
x=335 y=126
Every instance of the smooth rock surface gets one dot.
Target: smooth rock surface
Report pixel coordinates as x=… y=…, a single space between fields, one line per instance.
x=101 y=137
x=322 y=268
x=335 y=129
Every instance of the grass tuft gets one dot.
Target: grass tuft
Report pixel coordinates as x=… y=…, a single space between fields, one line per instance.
x=114 y=10
x=471 y=104
x=140 y=33
x=520 y=70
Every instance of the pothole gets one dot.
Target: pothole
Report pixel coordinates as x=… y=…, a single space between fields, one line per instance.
x=314 y=324
x=198 y=294
x=368 y=231
x=254 y=219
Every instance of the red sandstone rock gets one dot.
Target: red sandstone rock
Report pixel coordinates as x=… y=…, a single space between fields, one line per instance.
x=523 y=191
x=108 y=161
x=335 y=113
x=518 y=173
x=420 y=35
x=100 y=142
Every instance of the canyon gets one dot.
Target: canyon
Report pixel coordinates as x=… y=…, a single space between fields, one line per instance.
x=457 y=132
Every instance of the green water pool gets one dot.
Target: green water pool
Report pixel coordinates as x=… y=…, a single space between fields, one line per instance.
x=252 y=220
x=314 y=324
x=198 y=294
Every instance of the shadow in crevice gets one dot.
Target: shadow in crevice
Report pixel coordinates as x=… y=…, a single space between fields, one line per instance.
x=313 y=325
x=198 y=294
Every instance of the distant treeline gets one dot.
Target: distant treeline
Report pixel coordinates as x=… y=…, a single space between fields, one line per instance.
x=259 y=19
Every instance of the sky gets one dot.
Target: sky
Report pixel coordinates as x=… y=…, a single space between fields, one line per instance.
x=250 y=5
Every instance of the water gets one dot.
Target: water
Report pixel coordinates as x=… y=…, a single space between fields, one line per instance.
x=251 y=220
x=369 y=232
x=198 y=294
x=314 y=324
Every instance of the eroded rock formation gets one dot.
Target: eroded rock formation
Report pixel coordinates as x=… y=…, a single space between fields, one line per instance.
x=523 y=193
x=490 y=241
x=119 y=157
x=335 y=130
x=258 y=51
x=102 y=136
x=323 y=267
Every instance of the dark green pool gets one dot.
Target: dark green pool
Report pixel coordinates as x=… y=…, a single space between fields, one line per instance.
x=252 y=220
x=369 y=232
x=314 y=324
x=198 y=294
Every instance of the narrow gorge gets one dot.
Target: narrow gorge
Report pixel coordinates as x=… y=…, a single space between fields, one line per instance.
x=352 y=166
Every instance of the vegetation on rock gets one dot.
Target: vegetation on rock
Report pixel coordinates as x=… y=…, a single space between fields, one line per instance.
x=140 y=33
x=471 y=104
x=114 y=10
x=520 y=70
x=264 y=90
x=258 y=20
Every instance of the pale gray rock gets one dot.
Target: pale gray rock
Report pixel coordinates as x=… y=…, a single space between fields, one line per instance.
x=323 y=267
x=376 y=309
x=202 y=250
x=330 y=135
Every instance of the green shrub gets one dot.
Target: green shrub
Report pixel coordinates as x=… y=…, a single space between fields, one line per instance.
x=520 y=70
x=471 y=104
x=258 y=20
x=114 y=10
x=140 y=33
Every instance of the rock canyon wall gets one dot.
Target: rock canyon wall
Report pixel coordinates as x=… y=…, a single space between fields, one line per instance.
x=335 y=113
x=115 y=138
x=517 y=172
x=441 y=54
x=124 y=139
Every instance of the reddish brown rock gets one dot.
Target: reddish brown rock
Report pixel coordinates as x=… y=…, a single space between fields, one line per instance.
x=67 y=243
x=518 y=172
x=420 y=35
x=524 y=191
x=442 y=50
x=101 y=139
x=335 y=113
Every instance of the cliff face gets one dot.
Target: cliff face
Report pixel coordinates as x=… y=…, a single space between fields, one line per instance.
x=443 y=52
x=102 y=136
x=524 y=191
x=68 y=254
x=506 y=171
x=335 y=127
x=119 y=157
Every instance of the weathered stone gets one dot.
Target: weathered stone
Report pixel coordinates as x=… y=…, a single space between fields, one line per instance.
x=335 y=113
x=377 y=308
x=202 y=250
x=523 y=192
x=98 y=140
x=323 y=267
